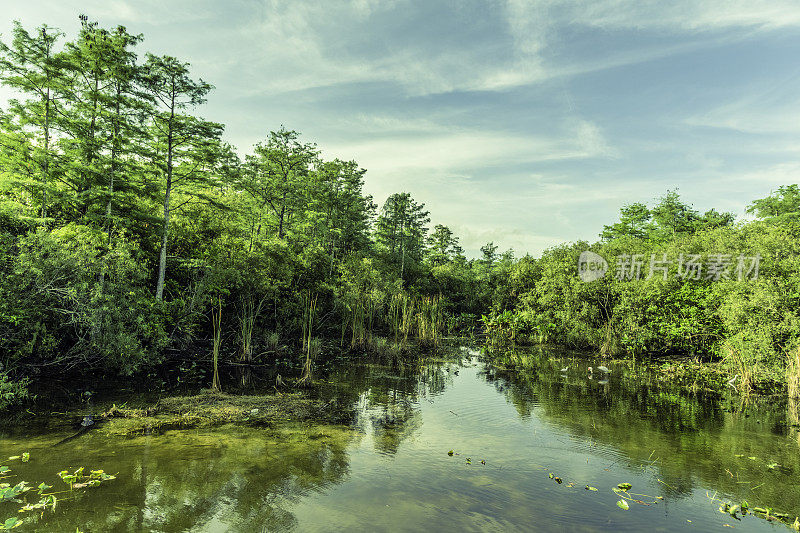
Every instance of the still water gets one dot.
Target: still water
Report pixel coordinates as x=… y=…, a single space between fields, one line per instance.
x=388 y=468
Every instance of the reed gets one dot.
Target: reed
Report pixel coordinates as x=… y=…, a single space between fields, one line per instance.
x=273 y=340
x=216 y=323
x=430 y=320
x=311 y=349
x=247 y=320
x=745 y=370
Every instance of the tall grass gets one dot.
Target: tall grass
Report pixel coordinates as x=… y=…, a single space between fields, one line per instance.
x=247 y=320
x=311 y=349
x=216 y=323
x=430 y=320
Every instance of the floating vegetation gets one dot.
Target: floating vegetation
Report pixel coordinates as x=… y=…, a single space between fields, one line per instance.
x=11 y=523
x=740 y=510
x=210 y=409
x=622 y=504
x=76 y=480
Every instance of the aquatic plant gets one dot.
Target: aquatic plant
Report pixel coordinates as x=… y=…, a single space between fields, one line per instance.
x=430 y=320
x=310 y=349
x=216 y=322
x=77 y=480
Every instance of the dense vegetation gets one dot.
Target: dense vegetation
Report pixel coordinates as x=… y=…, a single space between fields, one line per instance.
x=748 y=318
x=132 y=235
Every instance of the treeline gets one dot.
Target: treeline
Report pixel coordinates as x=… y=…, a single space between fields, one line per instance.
x=130 y=231
x=678 y=284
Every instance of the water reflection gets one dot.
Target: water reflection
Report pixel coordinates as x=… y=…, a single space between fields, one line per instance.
x=691 y=440
x=386 y=467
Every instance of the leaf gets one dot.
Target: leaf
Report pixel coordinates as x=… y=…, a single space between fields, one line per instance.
x=43 y=487
x=11 y=523
x=589 y=487
x=558 y=480
x=550 y=475
x=450 y=453
x=625 y=486
x=622 y=504
x=26 y=457
x=13 y=458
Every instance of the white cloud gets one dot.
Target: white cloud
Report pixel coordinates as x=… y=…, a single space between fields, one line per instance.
x=687 y=15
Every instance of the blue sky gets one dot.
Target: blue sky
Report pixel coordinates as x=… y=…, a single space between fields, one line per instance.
x=526 y=123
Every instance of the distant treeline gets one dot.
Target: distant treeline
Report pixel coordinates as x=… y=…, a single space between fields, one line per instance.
x=678 y=284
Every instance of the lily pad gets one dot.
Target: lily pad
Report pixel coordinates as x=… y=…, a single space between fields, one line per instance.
x=11 y=523
x=625 y=486
x=622 y=504
x=589 y=487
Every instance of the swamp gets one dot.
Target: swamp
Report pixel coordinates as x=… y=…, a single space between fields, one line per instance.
x=485 y=301
x=448 y=442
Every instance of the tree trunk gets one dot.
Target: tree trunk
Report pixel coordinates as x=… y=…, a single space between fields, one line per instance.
x=162 y=262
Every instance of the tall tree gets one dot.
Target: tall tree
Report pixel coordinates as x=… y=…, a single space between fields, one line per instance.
x=32 y=66
x=402 y=227
x=673 y=216
x=184 y=146
x=634 y=221
x=442 y=245
x=784 y=201
x=276 y=177
x=104 y=125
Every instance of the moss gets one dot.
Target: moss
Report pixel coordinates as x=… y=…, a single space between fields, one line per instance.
x=210 y=409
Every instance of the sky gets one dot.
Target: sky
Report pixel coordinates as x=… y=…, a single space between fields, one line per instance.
x=526 y=123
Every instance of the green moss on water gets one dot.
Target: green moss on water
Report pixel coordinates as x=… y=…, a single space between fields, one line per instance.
x=211 y=409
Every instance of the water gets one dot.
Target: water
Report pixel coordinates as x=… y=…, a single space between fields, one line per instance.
x=389 y=470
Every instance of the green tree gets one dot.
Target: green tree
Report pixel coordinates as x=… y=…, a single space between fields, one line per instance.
x=276 y=177
x=184 y=146
x=673 y=216
x=785 y=201
x=401 y=229
x=32 y=66
x=443 y=245
x=634 y=221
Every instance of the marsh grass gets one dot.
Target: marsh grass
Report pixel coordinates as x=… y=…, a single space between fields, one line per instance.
x=311 y=347
x=248 y=314
x=216 y=322
x=430 y=320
